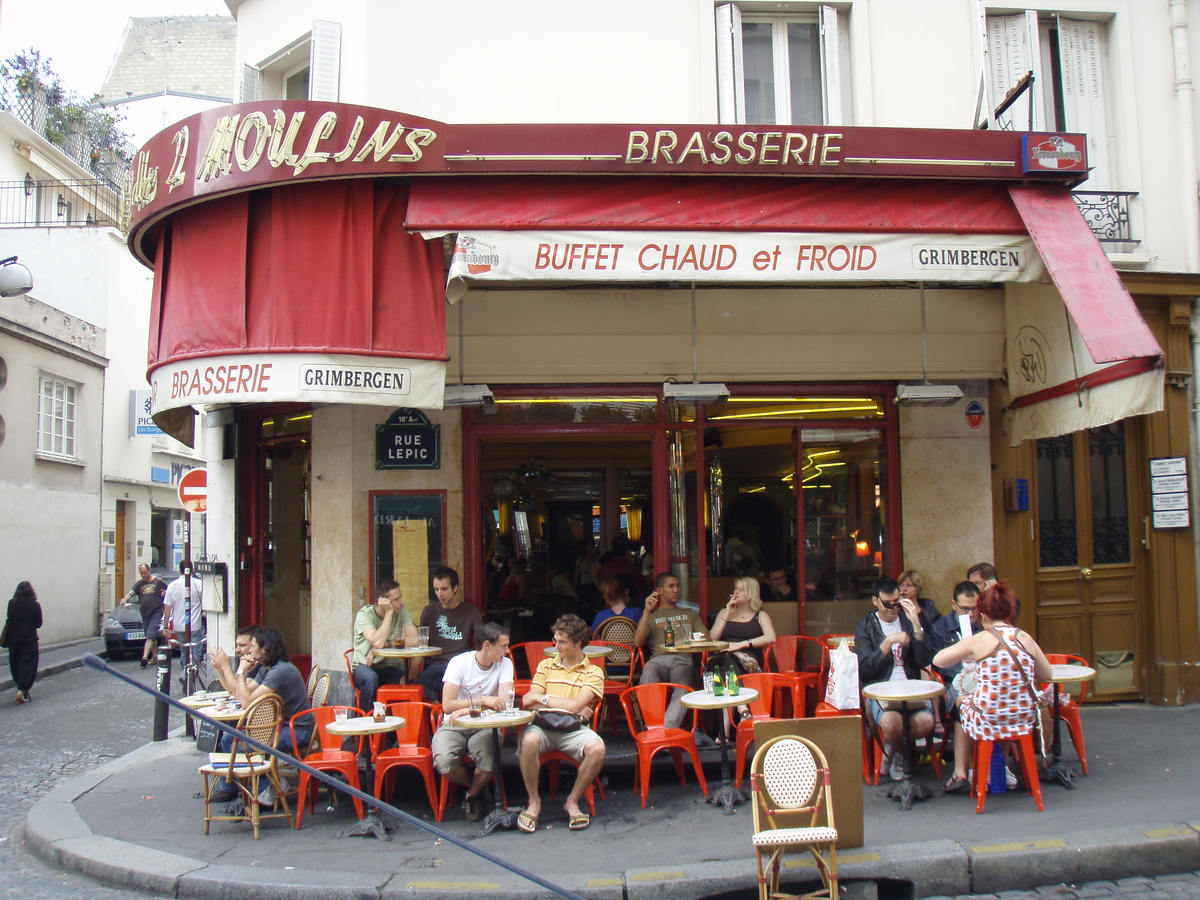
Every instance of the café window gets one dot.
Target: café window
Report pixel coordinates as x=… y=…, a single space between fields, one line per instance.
x=780 y=70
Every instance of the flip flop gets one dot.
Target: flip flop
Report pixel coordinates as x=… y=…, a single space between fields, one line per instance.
x=527 y=823
x=956 y=784
x=579 y=822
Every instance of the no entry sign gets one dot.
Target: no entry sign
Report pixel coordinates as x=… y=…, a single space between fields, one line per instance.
x=193 y=490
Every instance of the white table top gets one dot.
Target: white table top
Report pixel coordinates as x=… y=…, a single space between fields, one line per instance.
x=589 y=650
x=493 y=719
x=705 y=700
x=406 y=652
x=224 y=714
x=696 y=647
x=911 y=689
x=360 y=725
x=1072 y=673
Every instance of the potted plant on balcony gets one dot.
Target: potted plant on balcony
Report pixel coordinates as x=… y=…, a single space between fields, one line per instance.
x=36 y=85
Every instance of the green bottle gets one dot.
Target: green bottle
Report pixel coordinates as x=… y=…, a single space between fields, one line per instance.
x=669 y=637
x=731 y=683
x=718 y=685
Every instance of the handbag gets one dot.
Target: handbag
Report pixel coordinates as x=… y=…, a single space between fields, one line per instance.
x=557 y=720
x=748 y=663
x=4 y=637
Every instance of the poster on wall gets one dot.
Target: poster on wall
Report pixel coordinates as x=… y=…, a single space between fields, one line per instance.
x=408 y=541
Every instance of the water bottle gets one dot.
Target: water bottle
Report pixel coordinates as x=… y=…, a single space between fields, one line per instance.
x=731 y=683
x=997 y=774
x=718 y=684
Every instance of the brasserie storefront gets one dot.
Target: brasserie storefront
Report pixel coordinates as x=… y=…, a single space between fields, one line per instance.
x=841 y=351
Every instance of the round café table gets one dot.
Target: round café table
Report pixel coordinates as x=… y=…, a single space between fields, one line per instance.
x=1056 y=769
x=501 y=816
x=728 y=795
x=588 y=651
x=361 y=727
x=904 y=692
x=406 y=652
x=695 y=647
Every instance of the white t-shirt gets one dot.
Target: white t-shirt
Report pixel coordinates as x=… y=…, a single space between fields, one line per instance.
x=897 y=649
x=465 y=672
x=175 y=599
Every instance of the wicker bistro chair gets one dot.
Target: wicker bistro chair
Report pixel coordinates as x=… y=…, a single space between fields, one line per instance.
x=789 y=779
x=320 y=690
x=313 y=674
x=247 y=769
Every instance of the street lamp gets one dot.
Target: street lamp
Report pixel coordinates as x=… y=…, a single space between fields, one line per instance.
x=15 y=279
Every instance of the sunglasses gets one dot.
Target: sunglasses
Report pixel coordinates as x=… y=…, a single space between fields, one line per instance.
x=895 y=604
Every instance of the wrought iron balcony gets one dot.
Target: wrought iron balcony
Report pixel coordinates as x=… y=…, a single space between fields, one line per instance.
x=42 y=204
x=87 y=135
x=1107 y=214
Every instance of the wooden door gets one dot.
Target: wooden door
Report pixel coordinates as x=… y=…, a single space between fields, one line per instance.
x=1090 y=580
x=119 y=556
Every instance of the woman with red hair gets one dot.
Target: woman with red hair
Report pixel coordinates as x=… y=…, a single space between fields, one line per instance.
x=1008 y=661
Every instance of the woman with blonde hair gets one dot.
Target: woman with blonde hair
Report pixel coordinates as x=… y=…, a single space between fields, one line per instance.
x=745 y=625
x=911 y=587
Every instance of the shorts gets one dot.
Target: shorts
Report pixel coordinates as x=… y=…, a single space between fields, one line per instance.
x=452 y=742
x=877 y=709
x=568 y=742
x=153 y=626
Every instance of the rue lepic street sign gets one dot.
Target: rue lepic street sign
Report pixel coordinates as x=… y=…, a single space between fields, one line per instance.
x=193 y=490
x=407 y=440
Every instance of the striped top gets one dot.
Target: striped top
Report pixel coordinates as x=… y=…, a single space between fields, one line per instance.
x=556 y=680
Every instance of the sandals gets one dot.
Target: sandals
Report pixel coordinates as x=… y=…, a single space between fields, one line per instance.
x=956 y=784
x=527 y=822
x=579 y=822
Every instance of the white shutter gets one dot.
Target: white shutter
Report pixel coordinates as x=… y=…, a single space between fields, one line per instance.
x=1081 y=50
x=251 y=88
x=831 y=66
x=731 y=96
x=1011 y=51
x=324 y=60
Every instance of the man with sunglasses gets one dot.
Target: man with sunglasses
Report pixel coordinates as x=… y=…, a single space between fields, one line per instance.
x=891 y=645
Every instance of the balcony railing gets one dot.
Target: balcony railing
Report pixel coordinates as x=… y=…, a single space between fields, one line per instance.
x=1107 y=214
x=91 y=141
x=41 y=204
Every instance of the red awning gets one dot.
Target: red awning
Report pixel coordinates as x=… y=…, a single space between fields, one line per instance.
x=649 y=203
x=1107 y=318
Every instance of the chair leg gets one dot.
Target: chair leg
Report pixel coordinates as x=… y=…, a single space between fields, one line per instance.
x=301 y=794
x=983 y=761
x=694 y=753
x=552 y=777
x=1029 y=768
x=677 y=755
x=1075 y=727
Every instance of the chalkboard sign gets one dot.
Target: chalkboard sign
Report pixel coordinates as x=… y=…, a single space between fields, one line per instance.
x=408 y=541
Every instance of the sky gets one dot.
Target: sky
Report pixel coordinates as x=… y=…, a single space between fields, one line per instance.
x=80 y=36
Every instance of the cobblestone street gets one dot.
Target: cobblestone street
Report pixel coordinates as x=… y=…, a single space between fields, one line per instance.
x=1165 y=887
x=77 y=721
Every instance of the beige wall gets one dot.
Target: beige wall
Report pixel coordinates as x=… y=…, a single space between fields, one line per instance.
x=946 y=490
x=343 y=474
x=742 y=335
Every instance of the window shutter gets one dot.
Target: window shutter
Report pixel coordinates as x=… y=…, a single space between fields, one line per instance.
x=731 y=98
x=251 y=84
x=1011 y=54
x=1081 y=50
x=831 y=66
x=324 y=60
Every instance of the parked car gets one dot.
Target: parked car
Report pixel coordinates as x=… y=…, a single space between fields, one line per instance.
x=124 y=633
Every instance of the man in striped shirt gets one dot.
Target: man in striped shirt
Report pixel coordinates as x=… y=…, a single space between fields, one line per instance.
x=567 y=682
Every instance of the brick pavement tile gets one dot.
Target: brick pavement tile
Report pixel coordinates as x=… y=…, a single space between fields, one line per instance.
x=1137 y=879
x=1096 y=889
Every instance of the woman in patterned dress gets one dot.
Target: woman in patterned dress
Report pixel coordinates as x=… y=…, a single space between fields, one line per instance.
x=1001 y=705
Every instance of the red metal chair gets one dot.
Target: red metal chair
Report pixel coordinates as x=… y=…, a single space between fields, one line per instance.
x=398 y=693
x=349 y=654
x=412 y=749
x=1068 y=710
x=652 y=700
x=770 y=687
x=330 y=758
x=983 y=765
x=534 y=653
x=789 y=656
x=626 y=659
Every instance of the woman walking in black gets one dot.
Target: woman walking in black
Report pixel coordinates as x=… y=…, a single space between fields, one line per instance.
x=21 y=629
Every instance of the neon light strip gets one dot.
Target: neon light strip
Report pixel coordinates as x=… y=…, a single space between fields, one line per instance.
x=899 y=161
x=520 y=157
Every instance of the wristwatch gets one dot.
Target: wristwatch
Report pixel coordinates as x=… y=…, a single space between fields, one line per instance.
x=545 y=699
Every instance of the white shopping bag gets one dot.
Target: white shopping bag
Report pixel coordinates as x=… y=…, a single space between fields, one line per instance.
x=841 y=691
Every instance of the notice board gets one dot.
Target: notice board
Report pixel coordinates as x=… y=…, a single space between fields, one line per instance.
x=408 y=541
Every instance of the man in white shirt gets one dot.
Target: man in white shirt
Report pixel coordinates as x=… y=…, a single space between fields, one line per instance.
x=175 y=612
x=486 y=673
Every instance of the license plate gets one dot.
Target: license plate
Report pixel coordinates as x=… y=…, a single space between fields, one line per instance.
x=135 y=635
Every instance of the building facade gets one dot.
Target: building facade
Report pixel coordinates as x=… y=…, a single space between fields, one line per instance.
x=722 y=340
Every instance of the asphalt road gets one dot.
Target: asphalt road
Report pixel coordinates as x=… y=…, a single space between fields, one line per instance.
x=81 y=719
x=77 y=721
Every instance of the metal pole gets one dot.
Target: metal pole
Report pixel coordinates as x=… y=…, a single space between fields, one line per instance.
x=185 y=657
x=161 y=708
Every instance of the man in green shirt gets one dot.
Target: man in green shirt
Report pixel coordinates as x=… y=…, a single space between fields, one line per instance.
x=678 y=668
x=375 y=627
